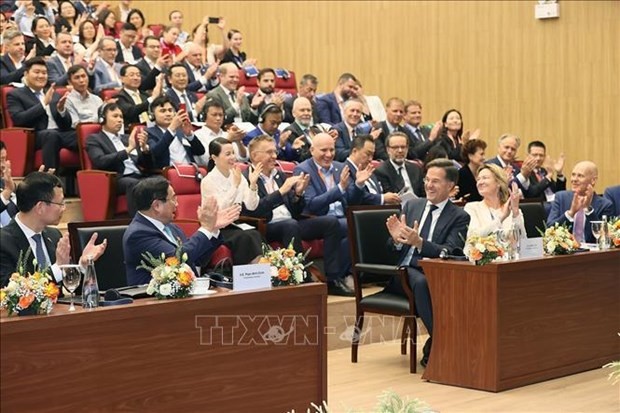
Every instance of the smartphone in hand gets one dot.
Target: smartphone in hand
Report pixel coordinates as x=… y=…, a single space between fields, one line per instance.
x=214 y=20
x=182 y=107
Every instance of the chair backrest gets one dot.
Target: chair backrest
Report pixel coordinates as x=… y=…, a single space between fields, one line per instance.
x=286 y=166
x=182 y=178
x=110 y=266
x=368 y=234
x=250 y=83
x=84 y=130
x=288 y=85
x=156 y=29
x=107 y=94
x=6 y=116
x=534 y=218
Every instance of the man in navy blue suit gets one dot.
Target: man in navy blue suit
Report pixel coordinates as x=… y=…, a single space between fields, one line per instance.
x=178 y=93
x=580 y=206
x=612 y=193
x=329 y=106
x=8 y=206
x=152 y=229
x=506 y=156
x=427 y=226
x=350 y=127
x=14 y=52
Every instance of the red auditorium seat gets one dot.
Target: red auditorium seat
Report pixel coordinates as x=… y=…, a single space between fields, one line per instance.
x=288 y=85
x=249 y=83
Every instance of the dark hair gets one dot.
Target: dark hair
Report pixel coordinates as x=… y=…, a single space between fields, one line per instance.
x=74 y=69
x=129 y=26
x=172 y=12
x=396 y=133
x=175 y=65
x=160 y=101
x=264 y=71
x=231 y=33
x=81 y=30
x=36 y=186
x=536 y=144
x=345 y=77
x=35 y=21
x=452 y=174
x=206 y=42
x=2 y=145
x=60 y=3
x=471 y=147
x=215 y=148
x=35 y=61
x=360 y=140
x=148 y=190
x=211 y=103
x=107 y=108
x=127 y=66
x=436 y=152
x=139 y=13
x=270 y=109
x=103 y=15
x=444 y=131
x=308 y=78
x=147 y=38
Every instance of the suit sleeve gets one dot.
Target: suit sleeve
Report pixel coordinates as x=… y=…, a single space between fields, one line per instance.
x=23 y=116
x=380 y=149
x=131 y=111
x=455 y=239
x=54 y=75
x=556 y=215
x=7 y=76
x=323 y=111
x=384 y=180
x=102 y=160
x=342 y=151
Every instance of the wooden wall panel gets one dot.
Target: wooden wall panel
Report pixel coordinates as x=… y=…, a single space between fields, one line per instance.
x=555 y=80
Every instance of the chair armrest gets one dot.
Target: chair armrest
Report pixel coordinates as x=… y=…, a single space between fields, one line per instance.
x=259 y=223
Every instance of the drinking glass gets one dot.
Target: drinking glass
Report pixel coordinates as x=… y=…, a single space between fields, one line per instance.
x=597 y=230
x=71 y=275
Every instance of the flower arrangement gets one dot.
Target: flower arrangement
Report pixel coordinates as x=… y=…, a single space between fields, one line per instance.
x=287 y=266
x=29 y=294
x=389 y=402
x=172 y=277
x=559 y=240
x=614 y=232
x=483 y=250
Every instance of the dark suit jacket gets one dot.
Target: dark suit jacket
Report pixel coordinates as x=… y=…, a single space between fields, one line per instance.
x=27 y=111
x=467 y=185
x=269 y=202
x=142 y=236
x=391 y=181
x=176 y=101
x=286 y=154
x=11 y=208
x=196 y=85
x=343 y=143
x=8 y=72
x=148 y=75
x=159 y=143
x=131 y=111
x=368 y=198
x=229 y=57
x=56 y=72
x=104 y=155
x=612 y=194
x=450 y=230
x=562 y=202
x=537 y=188
x=418 y=148
x=303 y=153
x=13 y=241
x=380 y=145
x=41 y=49
x=135 y=51
x=318 y=198
x=328 y=109
x=288 y=110
x=229 y=111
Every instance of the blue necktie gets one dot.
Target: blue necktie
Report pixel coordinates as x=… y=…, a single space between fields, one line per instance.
x=169 y=234
x=39 y=253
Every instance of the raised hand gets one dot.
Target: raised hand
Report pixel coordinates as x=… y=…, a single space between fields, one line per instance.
x=284 y=138
x=227 y=216
x=290 y=182
x=391 y=198
x=63 y=250
x=394 y=226
x=298 y=143
x=255 y=174
x=375 y=133
x=434 y=133
x=514 y=199
x=528 y=166
x=143 y=138
x=9 y=184
x=62 y=101
x=92 y=250
x=236 y=173
x=364 y=174
x=302 y=184
x=257 y=100
x=240 y=95
x=558 y=165
x=131 y=142
x=47 y=98
x=344 y=178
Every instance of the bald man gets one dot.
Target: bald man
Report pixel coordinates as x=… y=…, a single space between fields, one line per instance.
x=233 y=99
x=201 y=77
x=580 y=206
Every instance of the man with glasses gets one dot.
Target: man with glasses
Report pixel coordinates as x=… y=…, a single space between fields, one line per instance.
x=133 y=102
x=106 y=71
x=396 y=174
x=152 y=229
x=427 y=226
x=41 y=202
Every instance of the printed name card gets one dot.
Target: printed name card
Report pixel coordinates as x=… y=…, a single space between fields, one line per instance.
x=531 y=248
x=251 y=277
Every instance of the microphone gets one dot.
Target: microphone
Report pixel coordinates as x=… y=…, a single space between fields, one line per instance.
x=445 y=255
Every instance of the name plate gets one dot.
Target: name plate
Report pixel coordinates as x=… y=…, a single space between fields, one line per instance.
x=251 y=277
x=531 y=248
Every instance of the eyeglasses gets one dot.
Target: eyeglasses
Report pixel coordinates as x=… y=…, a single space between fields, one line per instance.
x=60 y=204
x=398 y=148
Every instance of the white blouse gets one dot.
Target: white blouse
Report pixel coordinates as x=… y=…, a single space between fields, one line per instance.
x=224 y=190
x=485 y=220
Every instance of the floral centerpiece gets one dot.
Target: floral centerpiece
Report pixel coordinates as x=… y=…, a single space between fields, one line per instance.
x=29 y=294
x=172 y=277
x=287 y=266
x=614 y=232
x=483 y=250
x=559 y=240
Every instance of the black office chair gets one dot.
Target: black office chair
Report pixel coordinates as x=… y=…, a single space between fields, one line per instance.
x=110 y=267
x=368 y=236
x=533 y=218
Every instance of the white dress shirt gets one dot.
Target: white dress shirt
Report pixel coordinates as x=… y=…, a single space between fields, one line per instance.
x=33 y=245
x=225 y=191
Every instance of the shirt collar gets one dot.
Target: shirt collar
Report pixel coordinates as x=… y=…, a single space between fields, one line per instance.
x=158 y=224
x=320 y=168
x=27 y=231
x=440 y=206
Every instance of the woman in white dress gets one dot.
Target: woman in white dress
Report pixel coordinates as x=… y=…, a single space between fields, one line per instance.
x=499 y=207
x=225 y=182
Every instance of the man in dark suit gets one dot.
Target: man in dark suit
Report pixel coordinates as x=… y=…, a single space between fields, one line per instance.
x=306 y=89
x=179 y=94
x=396 y=173
x=506 y=157
x=8 y=207
x=201 y=78
x=266 y=94
x=12 y=62
x=329 y=106
x=106 y=72
x=126 y=51
x=172 y=139
x=423 y=140
x=394 y=109
x=362 y=151
x=127 y=156
x=281 y=204
x=233 y=100
x=134 y=103
x=349 y=128
x=33 y=107
x=612 y=194
x=41 y=202
x=152 y=229
x=546 y=178
x=580 y=206
x=153 y=63
x=427 y=226
x=300 y=127
x=62 y=60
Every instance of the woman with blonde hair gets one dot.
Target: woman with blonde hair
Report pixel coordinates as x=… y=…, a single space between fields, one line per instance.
x=499 y=208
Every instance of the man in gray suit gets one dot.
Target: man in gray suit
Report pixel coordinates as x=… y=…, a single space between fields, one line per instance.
x=233 y=100
x=427 y=226
x=62 y=60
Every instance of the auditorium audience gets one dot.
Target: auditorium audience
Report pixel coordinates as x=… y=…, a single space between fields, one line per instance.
x=307 y=89
x=152 y=64
x=348 y=128
x=68 y=20
x=580 y=205
x=233 y=100
x=451 y=134
x=136 y=17
x=270 y=119
x=179 y=94
x=300 y=127
x=226 y=183
x=427 y=226
x=212 y=53
x=266 y=95
x=234 y=54
x=43 y=40
x=168 y=42
x=89 y=38
x=12 y=62
x=122 y=10
x=212 y=129
x=396 y=174
x=175 y=18
x=506 y=158
x=26 y=14
x=473 y=152
x=422 y=138
x=201 y=77
x=127 y=51
x=153 y=230
x=107 y=19
x=82 y=105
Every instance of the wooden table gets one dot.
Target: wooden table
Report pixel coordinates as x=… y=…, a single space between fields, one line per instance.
x=270 y=355
x=510 y=324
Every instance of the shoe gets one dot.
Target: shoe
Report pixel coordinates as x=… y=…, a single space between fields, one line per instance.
x=348 y=281
x=426 y=352
x=424 y=361
x=338 y=287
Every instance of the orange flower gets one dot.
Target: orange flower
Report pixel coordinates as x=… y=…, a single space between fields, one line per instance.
x=185 y=278
x=284 y=273
x=26 y=300
x=475 y=254
x=172 y=261
x=289 y=253
x=263 y=260
x=617 y=242
x=51 y=291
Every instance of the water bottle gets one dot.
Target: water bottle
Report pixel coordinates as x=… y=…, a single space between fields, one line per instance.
x=605 y=240
x=90 y=288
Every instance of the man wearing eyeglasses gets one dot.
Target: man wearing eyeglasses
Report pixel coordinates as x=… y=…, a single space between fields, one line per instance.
x=106 y=71
x=396 y=174
x=41 y=203
x=427 y=226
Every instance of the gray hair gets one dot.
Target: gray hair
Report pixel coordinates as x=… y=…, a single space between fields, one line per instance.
x=510 y=135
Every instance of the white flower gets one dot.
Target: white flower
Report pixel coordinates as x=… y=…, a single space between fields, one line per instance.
x=299 y=275
x=165 y=289
x=150 y=290
x=480 y=247
x=184 y=257
x=11 y=287
x=274 y=272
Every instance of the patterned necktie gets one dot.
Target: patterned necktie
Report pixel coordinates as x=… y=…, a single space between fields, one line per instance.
x=39 y=252
x=578 y=225
x=144 y=117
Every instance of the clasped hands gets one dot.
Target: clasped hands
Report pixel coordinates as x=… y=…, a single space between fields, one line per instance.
x=402 y=233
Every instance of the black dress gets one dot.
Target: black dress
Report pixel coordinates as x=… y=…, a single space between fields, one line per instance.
x=467 y=185
x=229 y=57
